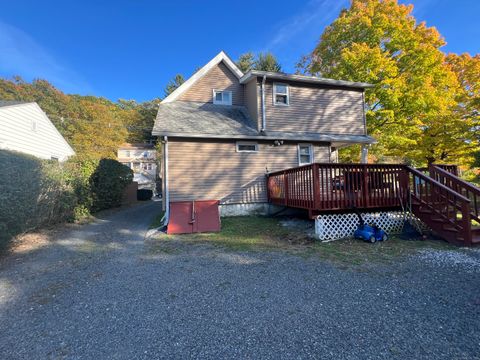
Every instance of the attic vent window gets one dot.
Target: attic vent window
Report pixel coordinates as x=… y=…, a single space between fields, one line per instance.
x=281 y=94
x=222 y=97
x=34 y=125
x=247 y=146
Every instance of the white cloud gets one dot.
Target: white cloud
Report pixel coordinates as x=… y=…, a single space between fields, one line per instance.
x=300 y=33
x=22 y=55
x=315 y=12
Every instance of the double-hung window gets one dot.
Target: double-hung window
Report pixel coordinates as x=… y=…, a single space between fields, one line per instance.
x=221 y=97
x=305 y=154
x=281 y=94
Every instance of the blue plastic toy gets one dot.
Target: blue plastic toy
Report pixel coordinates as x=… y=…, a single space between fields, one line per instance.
x=368 y=232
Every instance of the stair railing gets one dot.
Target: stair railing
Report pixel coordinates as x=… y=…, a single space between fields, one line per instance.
x=441 y=201
x=460 y=186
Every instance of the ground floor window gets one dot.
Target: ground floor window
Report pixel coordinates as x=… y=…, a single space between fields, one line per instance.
x=305 y=154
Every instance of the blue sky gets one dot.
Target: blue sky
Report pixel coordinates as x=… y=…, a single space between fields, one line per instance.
x=131 y=49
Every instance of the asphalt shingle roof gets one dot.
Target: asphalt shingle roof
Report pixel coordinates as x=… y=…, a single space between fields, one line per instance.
x=181 y=117
x=206 y=120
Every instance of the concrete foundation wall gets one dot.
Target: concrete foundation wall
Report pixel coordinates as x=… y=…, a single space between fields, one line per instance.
x=264 y=209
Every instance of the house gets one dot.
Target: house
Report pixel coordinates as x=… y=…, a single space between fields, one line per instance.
x=25 y=128
x=222 y=131
x=142 y=159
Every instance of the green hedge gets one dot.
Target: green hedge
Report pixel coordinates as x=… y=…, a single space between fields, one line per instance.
x=36 y=193
x=108 y=182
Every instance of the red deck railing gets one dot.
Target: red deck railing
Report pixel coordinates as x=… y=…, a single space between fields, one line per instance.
x=441 y=207
x=323 y=187
x=442 y=200
x=448 y=178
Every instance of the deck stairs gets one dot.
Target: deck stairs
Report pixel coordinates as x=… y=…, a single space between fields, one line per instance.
x=446 y=203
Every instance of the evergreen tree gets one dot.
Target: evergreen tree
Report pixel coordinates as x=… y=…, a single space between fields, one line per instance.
x=173 y=84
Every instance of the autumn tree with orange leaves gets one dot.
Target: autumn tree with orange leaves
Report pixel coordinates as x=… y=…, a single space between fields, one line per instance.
x=423 y=107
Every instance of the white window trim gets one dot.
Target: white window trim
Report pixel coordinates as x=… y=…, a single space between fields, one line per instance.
x=312 y=155
x=246 y=143
x=214 y=91
x=275 y=93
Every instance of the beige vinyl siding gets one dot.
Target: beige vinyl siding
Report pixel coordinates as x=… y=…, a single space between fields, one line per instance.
x=316 y=110
x=202 y=170
x=219 y=78
x=252 y=101
x=16 y=133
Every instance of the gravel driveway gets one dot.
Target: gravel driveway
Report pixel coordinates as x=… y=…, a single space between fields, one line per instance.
x=102 y=291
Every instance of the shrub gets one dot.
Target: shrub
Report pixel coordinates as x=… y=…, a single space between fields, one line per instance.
x=79 y=173
x=108 y=182
x=36 y=192
x=57 y=200
x=19 y=189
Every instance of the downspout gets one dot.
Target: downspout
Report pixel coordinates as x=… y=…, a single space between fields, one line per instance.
x=264 y=122
x=166 y=195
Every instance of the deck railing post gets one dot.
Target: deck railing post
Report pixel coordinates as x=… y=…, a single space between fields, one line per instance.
x=285 y=187
x=316 y=186
x=365 y=185
x=404 y=189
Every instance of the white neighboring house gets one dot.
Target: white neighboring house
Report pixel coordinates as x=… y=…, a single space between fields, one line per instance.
x=24 y=127
x=142 y=159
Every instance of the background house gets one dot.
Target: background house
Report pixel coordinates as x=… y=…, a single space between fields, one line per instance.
x=25 y=128
x=142 y=159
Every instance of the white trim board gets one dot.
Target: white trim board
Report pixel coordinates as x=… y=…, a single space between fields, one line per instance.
x=221 y=56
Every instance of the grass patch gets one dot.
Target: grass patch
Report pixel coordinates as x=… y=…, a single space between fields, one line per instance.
x=254 y=233
x=157 y=221
x=250 y=233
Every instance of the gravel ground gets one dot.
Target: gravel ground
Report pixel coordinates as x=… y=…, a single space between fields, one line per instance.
x=102 y=291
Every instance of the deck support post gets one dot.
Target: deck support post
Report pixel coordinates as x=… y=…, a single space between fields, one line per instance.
x=466 y=224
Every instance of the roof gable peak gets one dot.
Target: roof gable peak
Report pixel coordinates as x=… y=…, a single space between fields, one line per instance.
x=221 y=56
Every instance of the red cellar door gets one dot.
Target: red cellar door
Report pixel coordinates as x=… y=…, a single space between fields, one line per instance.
x=193 y=216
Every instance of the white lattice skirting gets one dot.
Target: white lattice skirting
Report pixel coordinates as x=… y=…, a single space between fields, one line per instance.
x=338 y=226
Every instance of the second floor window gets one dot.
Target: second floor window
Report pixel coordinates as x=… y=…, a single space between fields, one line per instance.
x=222 y=97
x=281 y=95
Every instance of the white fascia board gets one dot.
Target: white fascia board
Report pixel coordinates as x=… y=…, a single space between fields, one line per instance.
x=252 y=74
x=222 y=56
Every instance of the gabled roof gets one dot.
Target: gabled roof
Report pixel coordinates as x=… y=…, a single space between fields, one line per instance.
x=221 y=56
x=4 y=103
x=252 y=74
x=202 y=119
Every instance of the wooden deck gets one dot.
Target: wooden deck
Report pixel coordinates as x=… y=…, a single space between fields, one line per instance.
x=441 y=199
x=329 y=187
